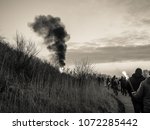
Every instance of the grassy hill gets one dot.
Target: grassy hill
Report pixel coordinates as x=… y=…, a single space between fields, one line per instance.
x=28 y=84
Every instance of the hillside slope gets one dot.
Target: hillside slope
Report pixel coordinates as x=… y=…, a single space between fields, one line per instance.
x=28 y=84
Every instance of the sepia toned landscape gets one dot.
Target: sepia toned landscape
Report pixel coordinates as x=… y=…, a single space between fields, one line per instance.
x=72 y=56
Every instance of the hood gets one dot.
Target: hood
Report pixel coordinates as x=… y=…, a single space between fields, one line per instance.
x=136 y=75
x=147 y=80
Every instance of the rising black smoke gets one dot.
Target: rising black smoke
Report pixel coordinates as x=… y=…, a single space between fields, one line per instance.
x=54 y=34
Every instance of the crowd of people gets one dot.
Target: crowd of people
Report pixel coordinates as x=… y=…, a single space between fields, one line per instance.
x=116 y=84
x=137 y=87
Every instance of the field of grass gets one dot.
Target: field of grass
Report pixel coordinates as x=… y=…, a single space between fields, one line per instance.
x=126 y=100
x=28 y=84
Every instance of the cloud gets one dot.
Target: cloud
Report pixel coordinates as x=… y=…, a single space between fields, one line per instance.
x=111 y=54
x=129 y=38
x=146 y=21
x=138 y=6
x=133 y=38
x=138 y=12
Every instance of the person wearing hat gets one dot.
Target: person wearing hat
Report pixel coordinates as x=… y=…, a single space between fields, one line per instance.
x=135 y=81
x=143 y=93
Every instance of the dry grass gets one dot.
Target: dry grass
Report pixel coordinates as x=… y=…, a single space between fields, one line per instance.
x=28 y=84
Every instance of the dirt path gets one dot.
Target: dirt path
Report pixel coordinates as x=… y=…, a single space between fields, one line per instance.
x=127 y=103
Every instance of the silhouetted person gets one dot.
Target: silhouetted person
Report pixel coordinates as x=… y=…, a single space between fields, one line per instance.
x=99 y=80
x=123 y=85
x=112 y=81
x=108 y=82
x=135 y=80
x=114 y=85
x=143 y=93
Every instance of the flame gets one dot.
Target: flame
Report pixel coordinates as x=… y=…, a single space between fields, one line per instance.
x=125 y=74
x=61 y=69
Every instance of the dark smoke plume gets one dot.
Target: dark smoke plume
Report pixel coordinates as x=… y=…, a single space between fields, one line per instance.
x=54 y=34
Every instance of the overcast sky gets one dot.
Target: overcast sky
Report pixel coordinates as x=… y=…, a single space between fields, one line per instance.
x=104 y=31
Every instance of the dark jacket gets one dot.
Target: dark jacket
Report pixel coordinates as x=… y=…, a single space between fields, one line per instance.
x=135 y=80
x=143 y=93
